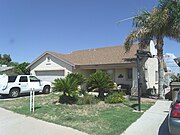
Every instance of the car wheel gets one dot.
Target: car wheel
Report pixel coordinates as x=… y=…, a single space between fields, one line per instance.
x=14 y=92
x=46 y=89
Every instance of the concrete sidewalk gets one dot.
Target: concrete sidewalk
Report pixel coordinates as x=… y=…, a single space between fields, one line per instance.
x=16 y=124
x=152 y=122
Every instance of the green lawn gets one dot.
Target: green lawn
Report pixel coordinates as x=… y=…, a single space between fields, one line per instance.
x=99 y=119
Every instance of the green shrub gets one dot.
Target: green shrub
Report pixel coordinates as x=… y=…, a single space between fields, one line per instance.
x=117 y=97
x=100 y=81
x=87 y=99
x=78 y=77
x=63 y=99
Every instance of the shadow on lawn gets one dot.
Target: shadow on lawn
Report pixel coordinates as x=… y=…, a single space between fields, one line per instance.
x=38 y=107
x=133 y=106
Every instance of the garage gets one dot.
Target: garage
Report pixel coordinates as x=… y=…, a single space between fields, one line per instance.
x=50 y=75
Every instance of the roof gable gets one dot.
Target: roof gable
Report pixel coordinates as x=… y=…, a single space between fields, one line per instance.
x=53 y=54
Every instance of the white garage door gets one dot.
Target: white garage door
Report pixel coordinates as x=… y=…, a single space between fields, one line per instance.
x=50 y=75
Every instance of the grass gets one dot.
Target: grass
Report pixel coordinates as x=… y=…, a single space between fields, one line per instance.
x=98 y=119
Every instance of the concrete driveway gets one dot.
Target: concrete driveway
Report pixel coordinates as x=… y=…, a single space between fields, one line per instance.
x=16 y=124
x=152 y=122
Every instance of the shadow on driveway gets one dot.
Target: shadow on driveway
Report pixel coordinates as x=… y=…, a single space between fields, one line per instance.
x=163 y=130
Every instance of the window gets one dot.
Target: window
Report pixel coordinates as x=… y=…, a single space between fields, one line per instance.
x=109 y=72
x=129 y=73
x=33 y=79
x=11 y=79
x=48 y=59
x=23 y=79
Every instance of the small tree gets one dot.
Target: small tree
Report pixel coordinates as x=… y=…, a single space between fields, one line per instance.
x=69 y=87
x=78 y=77
x=100 y=81
x=5 y=59
x=80 y=81
x=21 y=68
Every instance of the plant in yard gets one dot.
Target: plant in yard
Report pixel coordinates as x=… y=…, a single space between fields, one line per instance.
x=87 y=99
x=80 y=78
x=21 y=69
x=77 y=76
x=100 y=81
x=116 y=97
x=162 y=21
x=69 y=87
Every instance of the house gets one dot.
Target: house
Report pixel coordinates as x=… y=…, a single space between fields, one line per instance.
x=4 y=69
x=114 y=60
x=177 y=60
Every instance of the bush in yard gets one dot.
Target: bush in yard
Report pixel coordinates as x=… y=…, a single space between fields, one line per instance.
x=100 y=81
x=69 y=87
x=87 y=99
x=67 y=99
x=116 y=97
x=80 y=78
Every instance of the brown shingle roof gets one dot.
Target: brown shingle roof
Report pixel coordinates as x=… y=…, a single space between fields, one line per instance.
x=107 y=55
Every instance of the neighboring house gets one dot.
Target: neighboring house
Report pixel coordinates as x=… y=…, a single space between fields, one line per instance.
x=4 y=69
x=114 y=60
x=177 y=60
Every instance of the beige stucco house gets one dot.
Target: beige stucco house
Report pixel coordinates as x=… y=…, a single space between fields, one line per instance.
x=114 y=60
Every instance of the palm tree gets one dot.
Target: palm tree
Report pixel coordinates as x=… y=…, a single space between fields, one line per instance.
x=67 y=85
x=81 y=81
x=100 y=81
x=163 y=21
x=78 y=77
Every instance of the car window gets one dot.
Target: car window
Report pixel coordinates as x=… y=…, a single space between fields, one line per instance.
x=23 y=79
x=12 y=79
x=33 y=79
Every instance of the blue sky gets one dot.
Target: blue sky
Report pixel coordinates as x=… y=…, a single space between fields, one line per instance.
x=28 y=28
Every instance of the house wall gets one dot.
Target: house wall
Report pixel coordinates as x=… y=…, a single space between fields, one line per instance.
x=116 y=73
x=48 y=63
x=122 y=79
x=151 y=73
x=85 y=72
x=149 y=77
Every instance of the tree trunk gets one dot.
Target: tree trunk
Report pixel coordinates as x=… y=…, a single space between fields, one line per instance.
x=160 y=67
x=161 y=79
x=101 y=94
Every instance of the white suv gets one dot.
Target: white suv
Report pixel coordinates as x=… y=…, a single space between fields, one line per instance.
x=14 y=85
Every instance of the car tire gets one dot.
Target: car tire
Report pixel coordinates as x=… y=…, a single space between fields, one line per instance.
x=14 y=93
x=46 y=89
